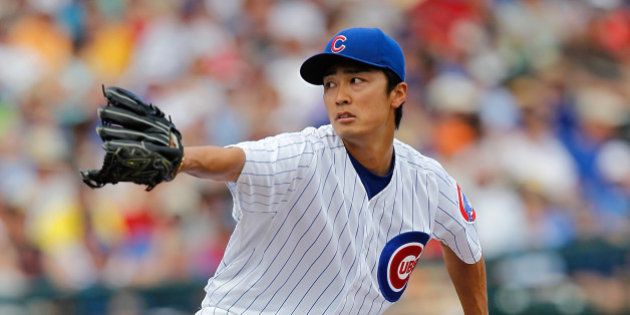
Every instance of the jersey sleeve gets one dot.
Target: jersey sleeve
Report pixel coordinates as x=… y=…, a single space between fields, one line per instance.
x=455 y=219
x=274 y=166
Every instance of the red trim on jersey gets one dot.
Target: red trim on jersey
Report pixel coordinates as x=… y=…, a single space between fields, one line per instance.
x=468 y=216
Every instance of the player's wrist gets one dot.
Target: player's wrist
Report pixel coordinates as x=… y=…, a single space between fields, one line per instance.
x=180 y=167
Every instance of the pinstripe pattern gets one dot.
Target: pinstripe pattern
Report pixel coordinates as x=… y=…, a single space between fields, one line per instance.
x=308 y=239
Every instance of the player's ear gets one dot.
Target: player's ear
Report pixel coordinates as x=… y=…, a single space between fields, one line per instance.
x=398 y=95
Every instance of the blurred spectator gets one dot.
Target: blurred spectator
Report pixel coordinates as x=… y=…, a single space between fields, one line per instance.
x=527 y=103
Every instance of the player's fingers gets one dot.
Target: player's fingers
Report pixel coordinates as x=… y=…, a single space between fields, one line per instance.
x=92 y=178
x=130 y=120
x=170 y=153
x=117 y=133
x=139 y=149
x=125 y=145
x=127 y=100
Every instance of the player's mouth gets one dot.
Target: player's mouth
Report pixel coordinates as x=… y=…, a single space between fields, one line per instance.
x=344 y=117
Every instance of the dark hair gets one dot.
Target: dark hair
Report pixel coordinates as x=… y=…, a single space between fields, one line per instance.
x=392 y=81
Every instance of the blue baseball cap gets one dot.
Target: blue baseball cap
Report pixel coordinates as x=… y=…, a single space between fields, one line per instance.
x=369 y=46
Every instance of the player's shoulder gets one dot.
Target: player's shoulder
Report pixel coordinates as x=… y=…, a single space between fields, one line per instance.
x=322 y=137
x=315 y=138
x=408 y=155
x=413 y=159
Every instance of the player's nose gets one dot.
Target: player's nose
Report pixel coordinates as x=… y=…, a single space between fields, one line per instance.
x=342 y=97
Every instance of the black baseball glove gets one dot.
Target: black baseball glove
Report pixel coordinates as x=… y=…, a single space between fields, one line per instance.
x=141 y=145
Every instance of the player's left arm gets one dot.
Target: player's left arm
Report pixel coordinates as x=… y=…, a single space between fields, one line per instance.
x=469 y=281
x=455 y=226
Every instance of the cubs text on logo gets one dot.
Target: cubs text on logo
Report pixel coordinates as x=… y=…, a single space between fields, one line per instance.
x=465 y=208
x=398 y=258
x=334 y=44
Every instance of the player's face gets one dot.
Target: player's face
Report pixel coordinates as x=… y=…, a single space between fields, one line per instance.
x=357 y=102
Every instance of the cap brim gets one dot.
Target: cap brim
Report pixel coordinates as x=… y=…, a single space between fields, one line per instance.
x=314 y=68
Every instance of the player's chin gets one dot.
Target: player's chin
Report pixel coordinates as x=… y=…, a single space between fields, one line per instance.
x=346 y=131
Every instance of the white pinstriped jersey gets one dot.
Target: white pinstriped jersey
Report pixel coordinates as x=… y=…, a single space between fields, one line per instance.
x=308 y=240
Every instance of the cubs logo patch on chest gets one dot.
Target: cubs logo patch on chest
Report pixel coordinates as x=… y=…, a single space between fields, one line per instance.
x=398 y=258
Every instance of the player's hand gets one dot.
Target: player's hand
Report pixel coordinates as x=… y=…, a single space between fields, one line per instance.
x=142 y=146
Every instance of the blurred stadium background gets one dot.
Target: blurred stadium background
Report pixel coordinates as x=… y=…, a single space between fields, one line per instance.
x=525 y=102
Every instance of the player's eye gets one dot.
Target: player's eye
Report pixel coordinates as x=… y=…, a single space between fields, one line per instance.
x=356 y=80
x=328 y=85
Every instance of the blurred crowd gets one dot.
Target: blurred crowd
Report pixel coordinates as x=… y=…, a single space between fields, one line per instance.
x=526 y=103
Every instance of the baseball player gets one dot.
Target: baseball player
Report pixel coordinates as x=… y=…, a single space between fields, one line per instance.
x=331 y=220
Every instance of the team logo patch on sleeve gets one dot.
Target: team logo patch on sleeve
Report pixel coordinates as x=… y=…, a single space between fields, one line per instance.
x=398 y=258
x=465 y=208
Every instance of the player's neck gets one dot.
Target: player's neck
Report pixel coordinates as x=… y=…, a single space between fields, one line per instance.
x=376 y=156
